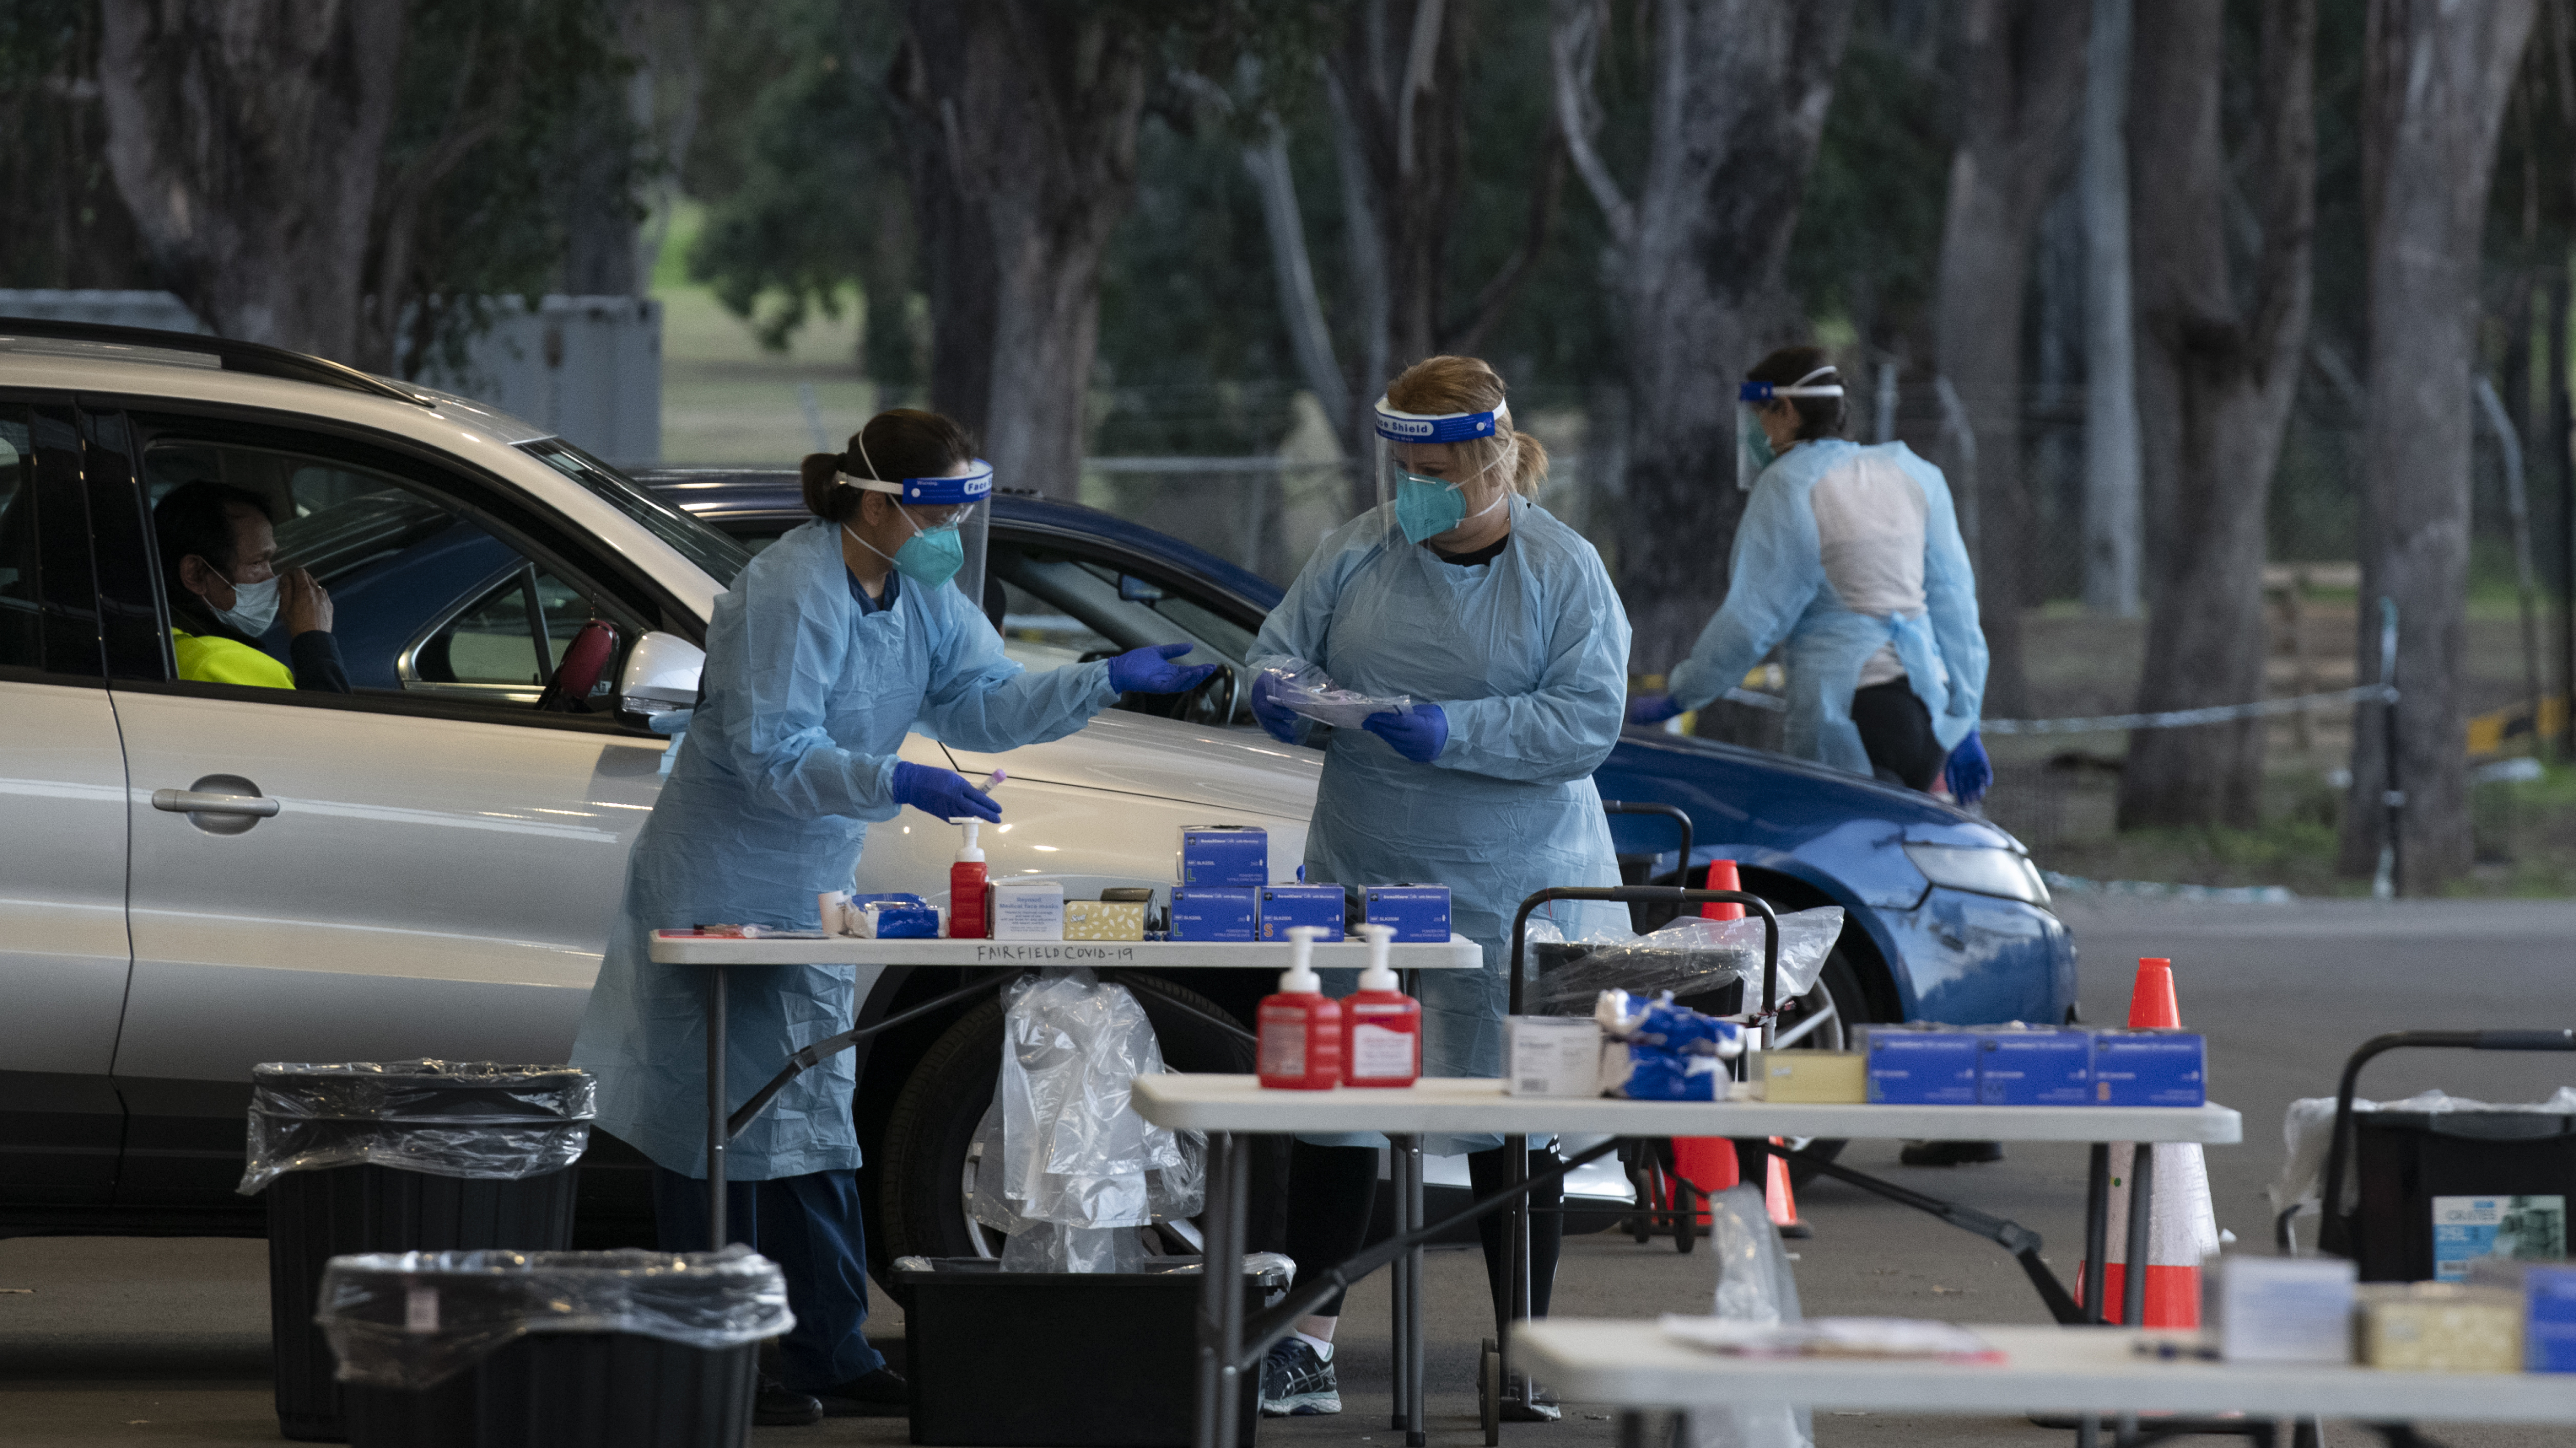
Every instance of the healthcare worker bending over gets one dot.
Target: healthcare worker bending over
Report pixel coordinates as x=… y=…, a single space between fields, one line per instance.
x=1467 y=597
x=1851 y=555
x=829 y=646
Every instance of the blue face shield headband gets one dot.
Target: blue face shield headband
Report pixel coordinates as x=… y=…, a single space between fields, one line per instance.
x=931 y=556
x=1426 y=507
x=1752 y=445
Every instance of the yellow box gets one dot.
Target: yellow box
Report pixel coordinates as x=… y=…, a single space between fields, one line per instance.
x=1104 y=920
x=1813 y=1076
x=2440 y=1327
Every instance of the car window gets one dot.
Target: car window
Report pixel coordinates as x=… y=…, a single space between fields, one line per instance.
x=1038 y=634
x=425 y=599
x=719 y=556
x=21 y=626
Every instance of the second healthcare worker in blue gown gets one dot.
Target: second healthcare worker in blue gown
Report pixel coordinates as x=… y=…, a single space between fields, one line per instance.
x=1464 y=595
x=831 y=644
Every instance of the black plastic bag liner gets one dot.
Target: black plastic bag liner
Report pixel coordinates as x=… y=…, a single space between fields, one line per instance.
x=445 y=1118
x=412 y=1320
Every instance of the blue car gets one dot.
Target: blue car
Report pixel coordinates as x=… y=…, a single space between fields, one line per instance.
x=1948 y=920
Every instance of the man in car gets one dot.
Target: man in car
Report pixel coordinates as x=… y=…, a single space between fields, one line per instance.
x=219 y=568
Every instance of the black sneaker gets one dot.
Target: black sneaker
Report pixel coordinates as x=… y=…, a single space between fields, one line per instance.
x=880 y=1394
x=1298 y=1382
x=1950 y=1153
x=1528 y=1402
x=777 y=1405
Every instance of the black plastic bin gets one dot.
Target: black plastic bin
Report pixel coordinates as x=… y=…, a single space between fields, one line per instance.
x=400 y=1156
x=622 y=1349
x=1080 y=1358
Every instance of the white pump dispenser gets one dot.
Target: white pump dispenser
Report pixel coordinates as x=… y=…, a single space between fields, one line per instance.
x=1379 y=975
x=1299 y=978
x=972 y=853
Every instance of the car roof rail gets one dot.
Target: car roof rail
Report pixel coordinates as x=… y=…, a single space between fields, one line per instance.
x=257 y=359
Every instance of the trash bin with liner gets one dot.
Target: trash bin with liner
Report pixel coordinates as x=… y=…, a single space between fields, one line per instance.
x=626 y=1349
x=398 y=1156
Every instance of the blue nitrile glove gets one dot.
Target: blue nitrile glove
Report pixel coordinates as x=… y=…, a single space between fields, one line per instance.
x=1150 y=670
x=1968 y=772
x=942 y=793
x=1652 y=709
x=1274 y=715
x=1419 y=735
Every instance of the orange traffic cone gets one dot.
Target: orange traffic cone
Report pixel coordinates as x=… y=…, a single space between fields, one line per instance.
x=1722 y=876
x=2184 y=1229
x=1778 y=1202
x=1709 y=1161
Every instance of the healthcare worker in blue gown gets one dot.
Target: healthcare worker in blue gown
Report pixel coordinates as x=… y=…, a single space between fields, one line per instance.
x=1850 y=556
x=1498 y=621
x=832 y=642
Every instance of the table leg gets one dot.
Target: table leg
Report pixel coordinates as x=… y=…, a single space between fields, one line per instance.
x=1516 y=1260
x=1220 y=1334
x=1396 y=1285
x=716 y=1134
x=1409 y=1271
x=2097 y=1230
x=2142 y=1200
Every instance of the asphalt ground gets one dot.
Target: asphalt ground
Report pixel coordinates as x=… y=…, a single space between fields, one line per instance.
x=166 y=1341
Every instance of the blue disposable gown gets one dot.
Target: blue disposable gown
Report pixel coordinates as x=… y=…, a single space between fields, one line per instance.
x=784 y=765
x=1528 y=657
x=1777 y=590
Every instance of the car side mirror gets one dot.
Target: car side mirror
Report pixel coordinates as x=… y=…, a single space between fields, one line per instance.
x=659 y=685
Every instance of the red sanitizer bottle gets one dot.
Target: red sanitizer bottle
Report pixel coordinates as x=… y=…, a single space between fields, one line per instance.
x=1300 y=1028
x=966 y=890
x=1381 y=1026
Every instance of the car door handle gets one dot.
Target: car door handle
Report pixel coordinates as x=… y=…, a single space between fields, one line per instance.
x=189 y=801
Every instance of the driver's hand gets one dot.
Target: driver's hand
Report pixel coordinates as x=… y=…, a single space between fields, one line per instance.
x=304 y=602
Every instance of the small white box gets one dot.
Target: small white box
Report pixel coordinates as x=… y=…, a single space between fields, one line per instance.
x=1552 y=1056
x=2279 y=1309
x=1028 y=910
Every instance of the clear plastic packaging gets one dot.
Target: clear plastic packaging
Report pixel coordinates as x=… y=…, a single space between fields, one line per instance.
x=471 y=1119
x=1688 y=956
x=1075 y=1156
x=1306 y=688
x=411 y=1320
x=1756 y=1287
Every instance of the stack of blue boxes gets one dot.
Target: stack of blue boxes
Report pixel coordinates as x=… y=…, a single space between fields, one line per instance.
x=2035 y=1066
x=1223 y=893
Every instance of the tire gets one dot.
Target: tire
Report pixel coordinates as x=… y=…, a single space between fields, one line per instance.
x=1844 y=1005
x=932 y=1127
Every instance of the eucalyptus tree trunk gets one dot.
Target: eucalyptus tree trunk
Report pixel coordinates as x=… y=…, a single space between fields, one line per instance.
x=246 y=137
x=2218 y=367
x=2113 y=520
x=2434 y=84
x=1739 y=93
x=1021 y=118
x=2021 y=80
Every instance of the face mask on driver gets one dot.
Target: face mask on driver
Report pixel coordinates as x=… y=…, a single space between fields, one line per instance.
x=254 y=608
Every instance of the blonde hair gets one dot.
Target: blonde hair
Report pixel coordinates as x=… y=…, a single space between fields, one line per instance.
x=1466 y=384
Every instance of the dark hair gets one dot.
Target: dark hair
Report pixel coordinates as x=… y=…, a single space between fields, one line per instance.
x=1817 y=416
x=197 y=517
x=903 y=443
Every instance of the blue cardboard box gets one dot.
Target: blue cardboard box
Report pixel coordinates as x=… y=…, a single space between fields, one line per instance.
x=1419 y=913
x=1231 y=855
x=2549 y=1320
x=1922 y=1068
x=2034 y=1068
x=1285 y=907
x=2150 y=1068
x=1204 y=912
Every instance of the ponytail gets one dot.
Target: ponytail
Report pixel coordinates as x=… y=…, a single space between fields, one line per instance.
x=826 y=496
x=904 y=442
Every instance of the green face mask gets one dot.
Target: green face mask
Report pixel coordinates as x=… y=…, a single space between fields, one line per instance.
x=930 y=557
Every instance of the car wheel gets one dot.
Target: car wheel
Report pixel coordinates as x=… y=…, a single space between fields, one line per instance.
x=930 y=1135
x=1827 y=1018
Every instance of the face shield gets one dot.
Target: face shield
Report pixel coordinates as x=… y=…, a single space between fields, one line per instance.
x=1426 y=473
x=949 y=517
x=1752 y=445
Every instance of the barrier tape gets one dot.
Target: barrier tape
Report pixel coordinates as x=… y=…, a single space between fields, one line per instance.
x=2171 y=719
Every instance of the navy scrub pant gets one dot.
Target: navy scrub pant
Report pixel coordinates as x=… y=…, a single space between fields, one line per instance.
x=808 y=1225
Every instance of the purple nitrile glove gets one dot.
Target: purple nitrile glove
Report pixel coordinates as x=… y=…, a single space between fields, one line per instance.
x=942 y=793
x=1968 y=771
x=1150 y=670
x=1652 y=709
x=1274 y=716
x=1418 y=735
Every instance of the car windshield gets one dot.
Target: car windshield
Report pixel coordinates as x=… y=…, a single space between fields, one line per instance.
x=719 y=556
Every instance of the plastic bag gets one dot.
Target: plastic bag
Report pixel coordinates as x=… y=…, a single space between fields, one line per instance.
x=412 y=1320
x=2307 y=1130
x=1172 y=1193
x=1754 y=1286
x=1310 y=691
x=444 y=1118
x=1690 y=956
x=1075 y=1155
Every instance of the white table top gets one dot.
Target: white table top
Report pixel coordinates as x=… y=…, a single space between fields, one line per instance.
x=683 y=949
x=1451 y=1104
x=2047 y=1369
